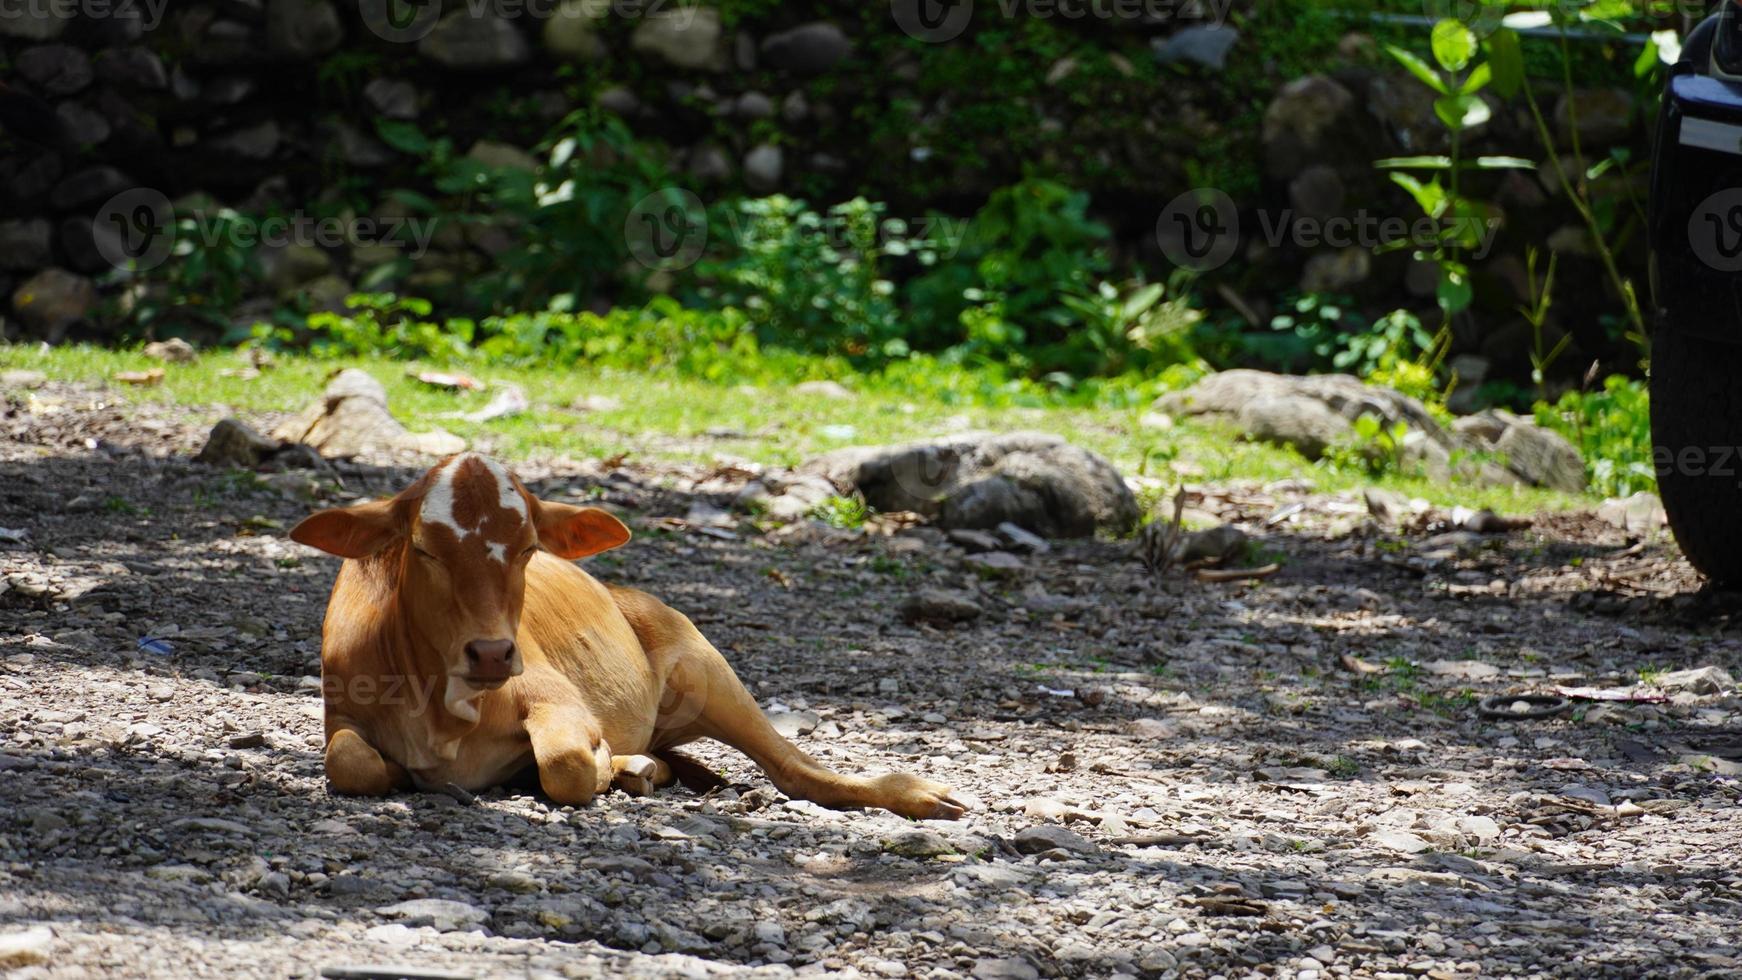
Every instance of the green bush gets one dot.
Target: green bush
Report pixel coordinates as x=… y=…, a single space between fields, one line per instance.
x=1612 y=429
x=1031 y=245
x=565 y=220
x=815 y=282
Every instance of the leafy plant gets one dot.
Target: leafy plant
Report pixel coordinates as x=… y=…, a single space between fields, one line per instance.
x=1306 y=336
x=384 y=325
x=206 y=276
x=1606 y=225
x=1612 y=429
x=815 y=282
x=1138 y=324
x=1457 y=83
x=1373 y=447
x=1030 y=246
x=564 y=220
x=848 y=513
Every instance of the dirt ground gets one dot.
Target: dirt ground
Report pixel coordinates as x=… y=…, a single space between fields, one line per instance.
x=1289 y=778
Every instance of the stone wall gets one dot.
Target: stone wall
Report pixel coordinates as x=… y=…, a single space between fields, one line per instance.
x=278 y=105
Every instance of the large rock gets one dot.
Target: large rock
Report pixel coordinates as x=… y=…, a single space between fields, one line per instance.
x=1302 y=123
x=1205 y=45
x=807 y=49
x=56 y=69
x=351 y=417
x=980 y=480
x=392 y=97
x=233 y=442
x=763 y=167
x=470 y=43
x=25 y=245
x=1539 y=456
x=132 y=68
x=51 y=302
x=1315 y=413
x=685 y=38
x=572 y=32
x=1307 y=412
x=302 y=29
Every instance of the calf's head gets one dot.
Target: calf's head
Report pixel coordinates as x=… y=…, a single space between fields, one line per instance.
x=454 y=547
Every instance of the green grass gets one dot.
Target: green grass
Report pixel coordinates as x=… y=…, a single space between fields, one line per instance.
x=673 y=418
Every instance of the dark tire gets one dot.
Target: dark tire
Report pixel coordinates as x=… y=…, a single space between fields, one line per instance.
x=1696 y=435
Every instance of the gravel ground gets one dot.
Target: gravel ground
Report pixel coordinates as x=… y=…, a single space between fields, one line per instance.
x=1283 y=778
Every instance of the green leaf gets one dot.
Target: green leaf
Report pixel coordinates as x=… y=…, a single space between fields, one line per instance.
x=1462 y=111
x=1503 y=163
x=1478 y=80
x=1430 y=197
x=1414 y=163
x=1608 y=13
x=403 y=136
x=1454 y=45
x=1507 y=61
x=414 y=200
x=1454 y=292
x=1646 y=63
x=1138 y=303
x=1419 y=68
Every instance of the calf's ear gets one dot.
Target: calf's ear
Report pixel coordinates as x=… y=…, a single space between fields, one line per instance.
x=349 y=532
x=576 y=532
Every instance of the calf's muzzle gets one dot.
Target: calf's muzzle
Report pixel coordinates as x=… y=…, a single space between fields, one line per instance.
x=490 y=661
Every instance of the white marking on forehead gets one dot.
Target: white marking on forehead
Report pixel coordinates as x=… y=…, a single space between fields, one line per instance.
x=438 y=501
x=509 y=498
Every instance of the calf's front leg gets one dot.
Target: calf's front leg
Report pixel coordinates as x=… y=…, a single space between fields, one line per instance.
x=356 y=768
x=574 y=763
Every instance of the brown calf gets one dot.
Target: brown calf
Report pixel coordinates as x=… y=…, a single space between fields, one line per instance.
x=461 y=645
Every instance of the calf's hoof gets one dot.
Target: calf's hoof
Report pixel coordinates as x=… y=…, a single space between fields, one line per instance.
x=637 y=775
x=920 y=799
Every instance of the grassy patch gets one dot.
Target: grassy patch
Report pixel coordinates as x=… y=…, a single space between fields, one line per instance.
x=664 y=416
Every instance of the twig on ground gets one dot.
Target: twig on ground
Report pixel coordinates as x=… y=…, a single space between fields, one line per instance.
x=1237 y=574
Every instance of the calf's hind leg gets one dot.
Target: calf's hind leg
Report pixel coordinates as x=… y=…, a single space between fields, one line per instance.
x=704 y=699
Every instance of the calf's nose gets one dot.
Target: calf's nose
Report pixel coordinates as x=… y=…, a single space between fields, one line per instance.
x=490 y=658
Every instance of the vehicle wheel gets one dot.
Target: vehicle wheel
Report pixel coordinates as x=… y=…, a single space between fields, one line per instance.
x=1696 y=435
